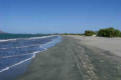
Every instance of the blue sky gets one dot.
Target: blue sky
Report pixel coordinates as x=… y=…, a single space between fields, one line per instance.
x=58 y=16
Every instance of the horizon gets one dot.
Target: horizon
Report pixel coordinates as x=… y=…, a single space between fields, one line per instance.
x=65 y=16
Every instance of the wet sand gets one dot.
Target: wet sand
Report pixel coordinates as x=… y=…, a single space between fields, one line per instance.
x=73 y=60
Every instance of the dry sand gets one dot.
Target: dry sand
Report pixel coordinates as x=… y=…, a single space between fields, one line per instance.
x=110 y=44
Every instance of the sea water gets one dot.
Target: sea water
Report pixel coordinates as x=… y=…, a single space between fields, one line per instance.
x=16 y=54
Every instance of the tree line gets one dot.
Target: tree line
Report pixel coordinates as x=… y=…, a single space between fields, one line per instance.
x=106 y=32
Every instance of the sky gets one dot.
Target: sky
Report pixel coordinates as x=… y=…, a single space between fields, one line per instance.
x=59 y=16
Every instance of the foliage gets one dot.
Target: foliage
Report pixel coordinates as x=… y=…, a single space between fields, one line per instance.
x=89 y=33
x=109 y=32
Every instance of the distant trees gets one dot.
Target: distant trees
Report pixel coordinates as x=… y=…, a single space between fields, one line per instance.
x=89 y=33
x=109 y=32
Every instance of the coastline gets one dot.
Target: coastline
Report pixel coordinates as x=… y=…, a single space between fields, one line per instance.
x=43 y=46
x=71 y=60
x=6 y=71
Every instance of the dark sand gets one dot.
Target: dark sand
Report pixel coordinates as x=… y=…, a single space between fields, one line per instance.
x=70 y=60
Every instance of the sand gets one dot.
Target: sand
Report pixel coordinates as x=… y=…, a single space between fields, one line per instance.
x=73 y=59
x=110 y=44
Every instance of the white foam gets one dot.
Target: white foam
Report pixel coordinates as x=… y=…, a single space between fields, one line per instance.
x=4 y=69
x=20 y=47
x=8 y=40
x=34 y=55
x=38 y=37
x=27 y=39
x=5 y=40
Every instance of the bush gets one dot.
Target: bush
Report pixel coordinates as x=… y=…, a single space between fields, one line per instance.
x=109 y=32
x=89 y=33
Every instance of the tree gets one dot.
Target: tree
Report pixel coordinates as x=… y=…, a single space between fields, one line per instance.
x=89 y=33
x=109 y=32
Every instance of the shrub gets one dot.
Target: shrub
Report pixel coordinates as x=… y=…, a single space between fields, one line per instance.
x=89 y=33
x=109 y=32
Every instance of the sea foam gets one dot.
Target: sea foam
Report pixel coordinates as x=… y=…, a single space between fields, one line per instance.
x=44 y=46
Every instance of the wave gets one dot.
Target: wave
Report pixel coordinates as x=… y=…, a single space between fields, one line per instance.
x=44 y=46
x=19 y=47
x=40 y=37
x=6 y=40
x=33 y=56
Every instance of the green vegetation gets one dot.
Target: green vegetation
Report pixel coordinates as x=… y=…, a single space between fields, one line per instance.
x=109 y=32
x=89 y=33
x=106 y=32
x=11 y=36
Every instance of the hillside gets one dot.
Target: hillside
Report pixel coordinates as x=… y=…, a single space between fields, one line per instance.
x=1 y=31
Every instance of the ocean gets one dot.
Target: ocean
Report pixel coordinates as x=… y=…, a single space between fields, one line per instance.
x=16 y=54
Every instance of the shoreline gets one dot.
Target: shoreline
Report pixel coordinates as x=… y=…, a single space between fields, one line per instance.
x=22 y=62
x=33 y=54
x=69 y=60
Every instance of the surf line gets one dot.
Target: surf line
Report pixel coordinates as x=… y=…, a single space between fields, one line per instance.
x=34 y=55
x=6 y=40
x=19 y=47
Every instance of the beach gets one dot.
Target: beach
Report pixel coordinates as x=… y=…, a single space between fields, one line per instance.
x=16 y=54
x=112 y=45
x=77 y=58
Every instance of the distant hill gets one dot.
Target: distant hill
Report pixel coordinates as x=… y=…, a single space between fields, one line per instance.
x=1 y=31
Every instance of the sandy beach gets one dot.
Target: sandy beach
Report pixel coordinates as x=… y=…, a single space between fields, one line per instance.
x=78 y=58
x=110 y=44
